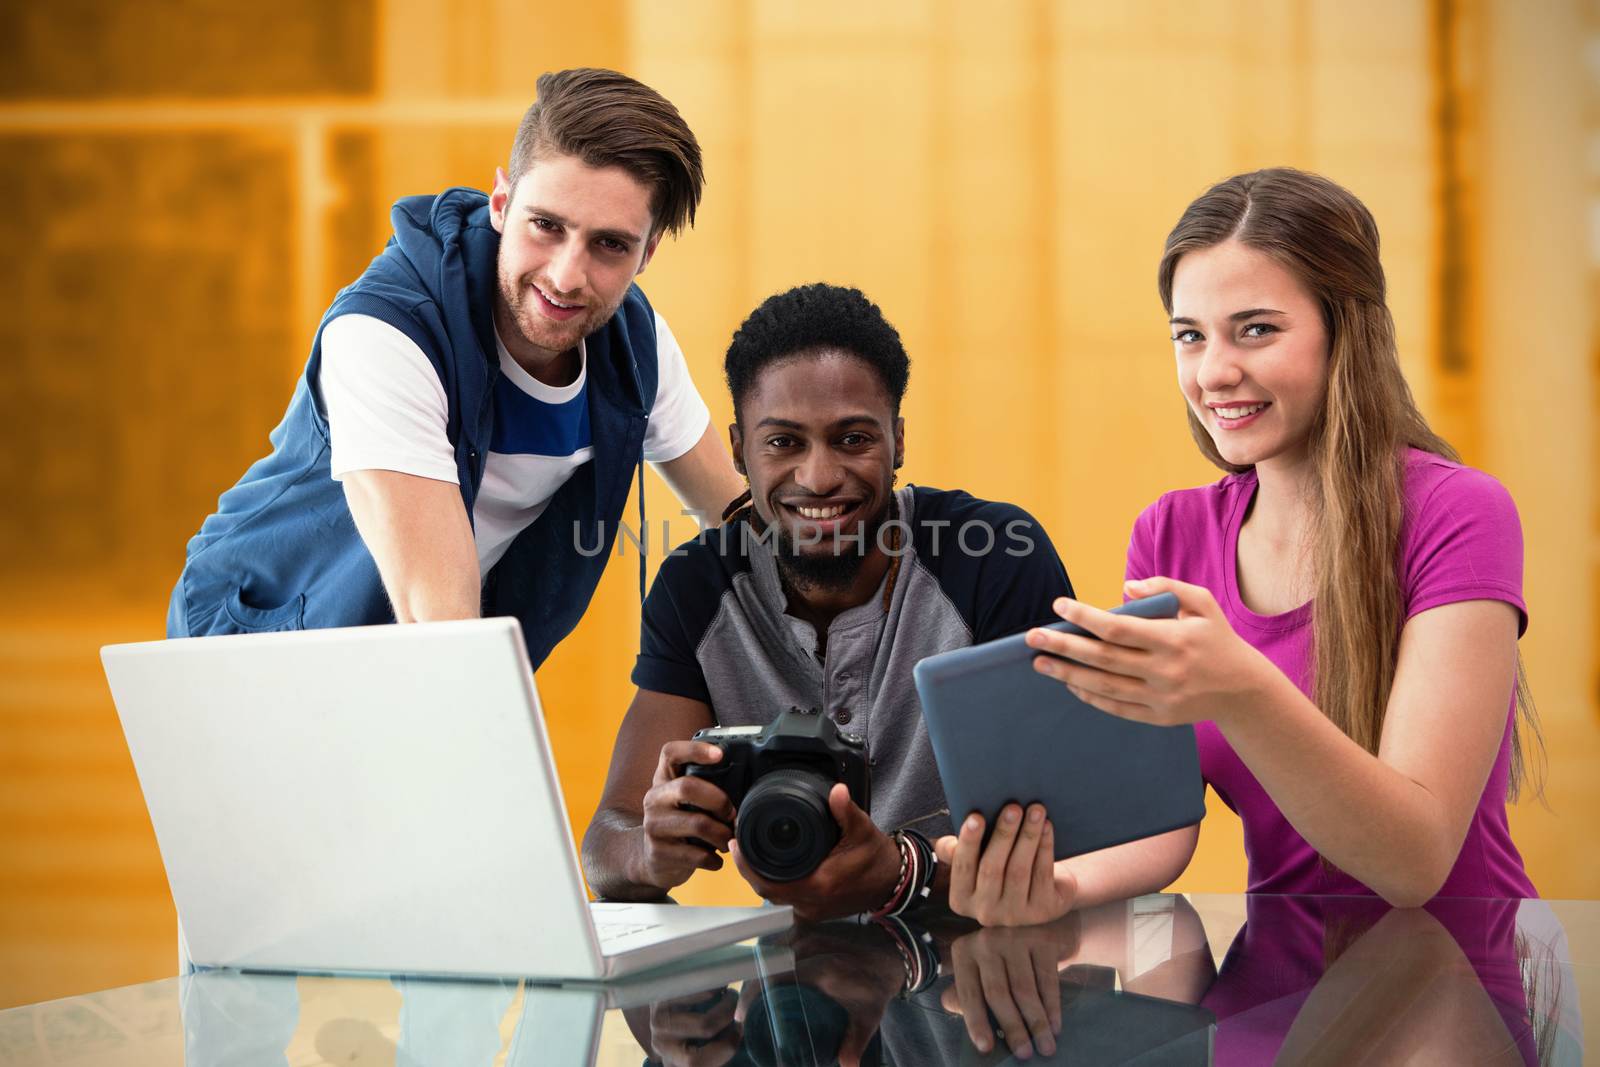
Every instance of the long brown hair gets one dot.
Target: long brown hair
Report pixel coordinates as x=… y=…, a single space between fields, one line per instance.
x=1327 y=238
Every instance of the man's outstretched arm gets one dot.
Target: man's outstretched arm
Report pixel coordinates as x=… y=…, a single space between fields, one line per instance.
x=417 y=531
x=387 y=414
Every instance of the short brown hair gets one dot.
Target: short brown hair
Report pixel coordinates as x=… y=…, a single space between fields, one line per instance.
x=608 y=119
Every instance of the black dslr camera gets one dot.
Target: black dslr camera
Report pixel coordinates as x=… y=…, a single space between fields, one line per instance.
x=777 y=777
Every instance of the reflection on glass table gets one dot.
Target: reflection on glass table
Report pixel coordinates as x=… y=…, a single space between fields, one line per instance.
x=251 y=1019
x=1158 y=980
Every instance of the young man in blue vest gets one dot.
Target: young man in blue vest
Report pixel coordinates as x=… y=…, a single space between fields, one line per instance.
x=477 y=403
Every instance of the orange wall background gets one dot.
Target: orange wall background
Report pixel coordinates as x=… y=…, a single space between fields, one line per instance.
x=187 y=184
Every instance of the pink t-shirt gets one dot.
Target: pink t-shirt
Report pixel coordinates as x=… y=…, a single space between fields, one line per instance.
x=1461 y=540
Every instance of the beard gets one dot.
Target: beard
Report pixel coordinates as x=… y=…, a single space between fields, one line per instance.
x=540 y=332
x=832 y=563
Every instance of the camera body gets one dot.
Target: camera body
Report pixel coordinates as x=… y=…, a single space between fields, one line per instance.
x=778 y=778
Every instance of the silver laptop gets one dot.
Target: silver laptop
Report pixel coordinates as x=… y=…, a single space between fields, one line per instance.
x=377 y=799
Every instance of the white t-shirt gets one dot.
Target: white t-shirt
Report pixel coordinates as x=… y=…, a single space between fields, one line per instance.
x=387 y=411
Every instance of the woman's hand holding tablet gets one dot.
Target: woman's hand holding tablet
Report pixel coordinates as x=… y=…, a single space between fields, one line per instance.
x=1166 y=672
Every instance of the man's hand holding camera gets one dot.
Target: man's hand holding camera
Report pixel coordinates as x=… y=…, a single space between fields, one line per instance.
x=801 y=835
x=687 y=819
x=856 y=876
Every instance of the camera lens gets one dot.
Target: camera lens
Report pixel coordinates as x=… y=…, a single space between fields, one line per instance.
x=784 y=833
x=785 y=828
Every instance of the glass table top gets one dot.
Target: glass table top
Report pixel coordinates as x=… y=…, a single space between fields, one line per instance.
x=1163 y=979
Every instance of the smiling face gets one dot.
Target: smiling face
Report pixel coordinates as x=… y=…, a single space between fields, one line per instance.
x=573 y=237
x=1252 y=352
x=819 y=441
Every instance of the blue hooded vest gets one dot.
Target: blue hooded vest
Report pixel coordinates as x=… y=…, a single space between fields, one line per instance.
x=282 y=552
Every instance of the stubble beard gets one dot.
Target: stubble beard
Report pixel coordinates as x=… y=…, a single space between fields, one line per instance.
x=534 y=329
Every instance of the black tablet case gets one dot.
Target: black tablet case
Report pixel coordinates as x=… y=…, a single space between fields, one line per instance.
x=1003 y=732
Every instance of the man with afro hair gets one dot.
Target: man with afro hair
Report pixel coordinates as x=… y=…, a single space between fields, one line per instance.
x=821 y=591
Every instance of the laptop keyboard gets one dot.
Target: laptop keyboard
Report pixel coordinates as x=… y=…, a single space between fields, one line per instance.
x=616 y=931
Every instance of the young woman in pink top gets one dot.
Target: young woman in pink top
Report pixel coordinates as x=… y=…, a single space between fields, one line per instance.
x=1351 y=595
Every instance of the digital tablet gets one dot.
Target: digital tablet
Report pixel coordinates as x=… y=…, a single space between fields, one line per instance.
x=1003 y=732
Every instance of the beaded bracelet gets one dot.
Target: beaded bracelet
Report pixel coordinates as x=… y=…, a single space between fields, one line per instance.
x=903 y=885
x=915 y=884
x=925 y=863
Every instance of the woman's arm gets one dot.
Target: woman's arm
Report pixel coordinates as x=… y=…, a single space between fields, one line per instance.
x=1394 y=821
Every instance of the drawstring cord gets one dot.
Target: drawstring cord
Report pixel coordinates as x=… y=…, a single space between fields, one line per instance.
x=644 y=535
